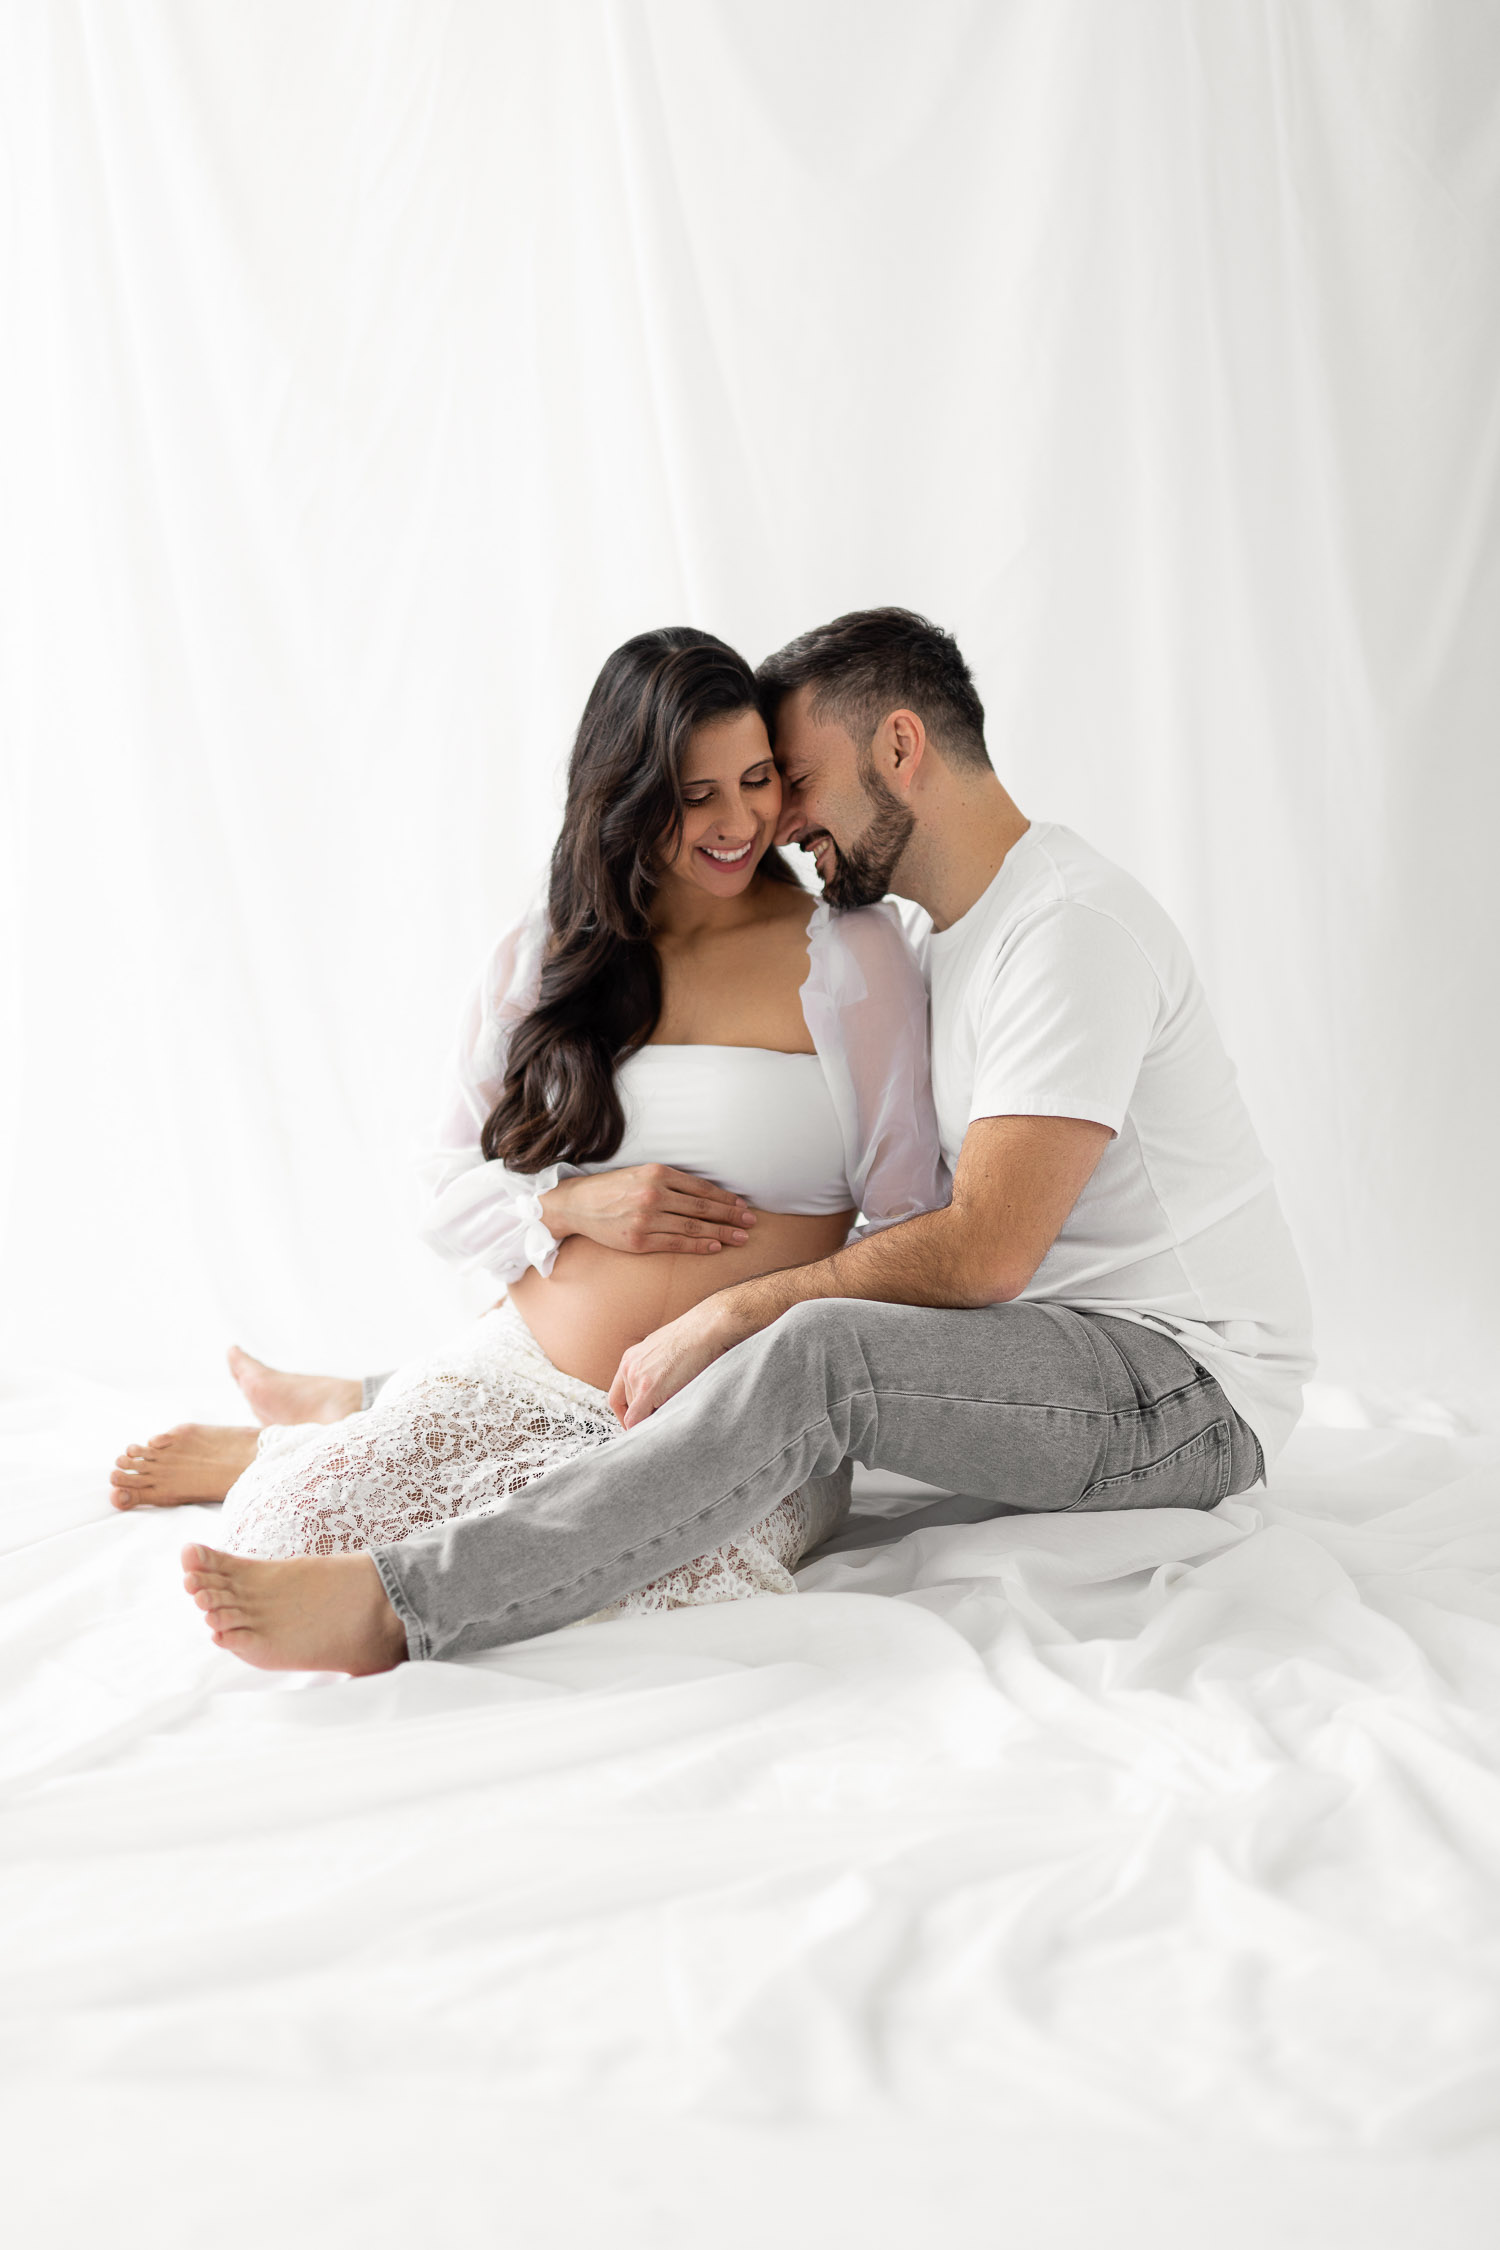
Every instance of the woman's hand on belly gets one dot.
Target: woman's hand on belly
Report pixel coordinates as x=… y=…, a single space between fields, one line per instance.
x=647 y=1210
x=599 y=1302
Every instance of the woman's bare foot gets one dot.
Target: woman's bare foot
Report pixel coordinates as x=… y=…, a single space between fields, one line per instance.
x=275 y=1397
x=196 y=1461
x=318 y=1613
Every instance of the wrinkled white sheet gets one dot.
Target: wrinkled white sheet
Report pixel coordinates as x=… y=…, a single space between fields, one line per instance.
x=1166 y=1821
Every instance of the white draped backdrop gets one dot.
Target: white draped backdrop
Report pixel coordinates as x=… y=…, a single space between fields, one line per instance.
x=371 y=367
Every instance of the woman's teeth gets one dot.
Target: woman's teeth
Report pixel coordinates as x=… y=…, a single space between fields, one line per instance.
x=728 y=859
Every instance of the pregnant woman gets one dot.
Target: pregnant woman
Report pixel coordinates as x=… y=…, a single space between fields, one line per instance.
x=680 y=1073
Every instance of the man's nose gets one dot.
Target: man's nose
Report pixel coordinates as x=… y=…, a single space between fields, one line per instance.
x=791 y=823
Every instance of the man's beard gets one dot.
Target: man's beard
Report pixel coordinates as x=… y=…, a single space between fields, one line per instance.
x=862 y=874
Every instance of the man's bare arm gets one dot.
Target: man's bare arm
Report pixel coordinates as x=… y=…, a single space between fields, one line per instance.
x=1017 y=1180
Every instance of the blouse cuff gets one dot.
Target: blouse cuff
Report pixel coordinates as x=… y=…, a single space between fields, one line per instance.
x=539 y=1245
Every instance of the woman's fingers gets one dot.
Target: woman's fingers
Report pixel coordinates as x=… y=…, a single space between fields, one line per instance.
x=665 y=1232
x=656 y=1208
x=696 y=1230
x=712 y=1214
x=700 y=1199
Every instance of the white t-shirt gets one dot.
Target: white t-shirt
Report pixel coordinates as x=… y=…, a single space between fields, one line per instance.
x=1065 y=991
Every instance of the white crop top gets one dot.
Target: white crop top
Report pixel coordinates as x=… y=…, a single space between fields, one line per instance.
x=850 y=1127
x=747 y=1118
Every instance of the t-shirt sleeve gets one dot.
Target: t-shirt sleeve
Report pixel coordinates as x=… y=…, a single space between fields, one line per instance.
x=1065 y=1020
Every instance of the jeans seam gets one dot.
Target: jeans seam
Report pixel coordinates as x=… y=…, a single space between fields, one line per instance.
x=968 y=1398
x=1226 y=1460
x=394 y=1594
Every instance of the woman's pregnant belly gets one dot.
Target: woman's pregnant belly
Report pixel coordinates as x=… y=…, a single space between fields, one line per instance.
x=596 y=1303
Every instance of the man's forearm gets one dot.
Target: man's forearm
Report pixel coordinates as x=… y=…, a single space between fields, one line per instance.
x=1016 y=1181
x=921 y=1261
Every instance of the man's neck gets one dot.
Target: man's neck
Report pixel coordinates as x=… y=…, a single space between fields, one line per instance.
x=959 y=847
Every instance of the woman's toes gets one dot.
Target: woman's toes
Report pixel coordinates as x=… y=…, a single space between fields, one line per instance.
x=209 y=1577
x=195 y=1464
x=203 y=1566
x=138 y=1460
x=223 y=1616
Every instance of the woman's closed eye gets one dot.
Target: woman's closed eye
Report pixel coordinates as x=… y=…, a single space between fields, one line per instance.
x=763 y=781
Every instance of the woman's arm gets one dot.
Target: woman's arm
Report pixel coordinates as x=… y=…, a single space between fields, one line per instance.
x=478 y=1213
x=481 y=1214
x=866 y=1006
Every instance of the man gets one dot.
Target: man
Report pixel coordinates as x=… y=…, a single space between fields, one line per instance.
x=1108 y=1314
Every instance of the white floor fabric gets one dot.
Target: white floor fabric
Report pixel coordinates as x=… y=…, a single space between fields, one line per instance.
x=1078 y=1852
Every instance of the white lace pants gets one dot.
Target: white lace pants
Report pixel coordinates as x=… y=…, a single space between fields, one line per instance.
x=458 y=1433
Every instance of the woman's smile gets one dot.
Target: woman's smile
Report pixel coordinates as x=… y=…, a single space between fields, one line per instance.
x=731 y=806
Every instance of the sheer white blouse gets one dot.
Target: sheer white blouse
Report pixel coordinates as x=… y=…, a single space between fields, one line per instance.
x=865 y=1006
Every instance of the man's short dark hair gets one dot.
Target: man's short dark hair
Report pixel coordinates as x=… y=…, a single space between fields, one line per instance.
x=875 y=661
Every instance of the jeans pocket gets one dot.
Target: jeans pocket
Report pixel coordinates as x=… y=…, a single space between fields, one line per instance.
x=1194 y=1475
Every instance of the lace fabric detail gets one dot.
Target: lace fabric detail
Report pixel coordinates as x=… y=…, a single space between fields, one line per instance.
x=459 y=1432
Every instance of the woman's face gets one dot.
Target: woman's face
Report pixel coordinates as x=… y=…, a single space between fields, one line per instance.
x=732 y=794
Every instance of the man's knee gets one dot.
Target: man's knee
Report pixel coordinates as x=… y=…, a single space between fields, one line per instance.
x=832 y=1342
x=821 y=1326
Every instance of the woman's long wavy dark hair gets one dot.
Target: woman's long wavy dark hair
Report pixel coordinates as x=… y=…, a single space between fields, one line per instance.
x=600 y=994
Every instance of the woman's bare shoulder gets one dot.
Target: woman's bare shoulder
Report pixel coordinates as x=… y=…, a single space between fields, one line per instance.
x=787 y=904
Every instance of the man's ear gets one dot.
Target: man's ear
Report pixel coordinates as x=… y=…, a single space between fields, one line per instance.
x=899 y=748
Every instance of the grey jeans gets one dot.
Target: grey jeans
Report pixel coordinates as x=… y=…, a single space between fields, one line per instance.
x=1020 y=1406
